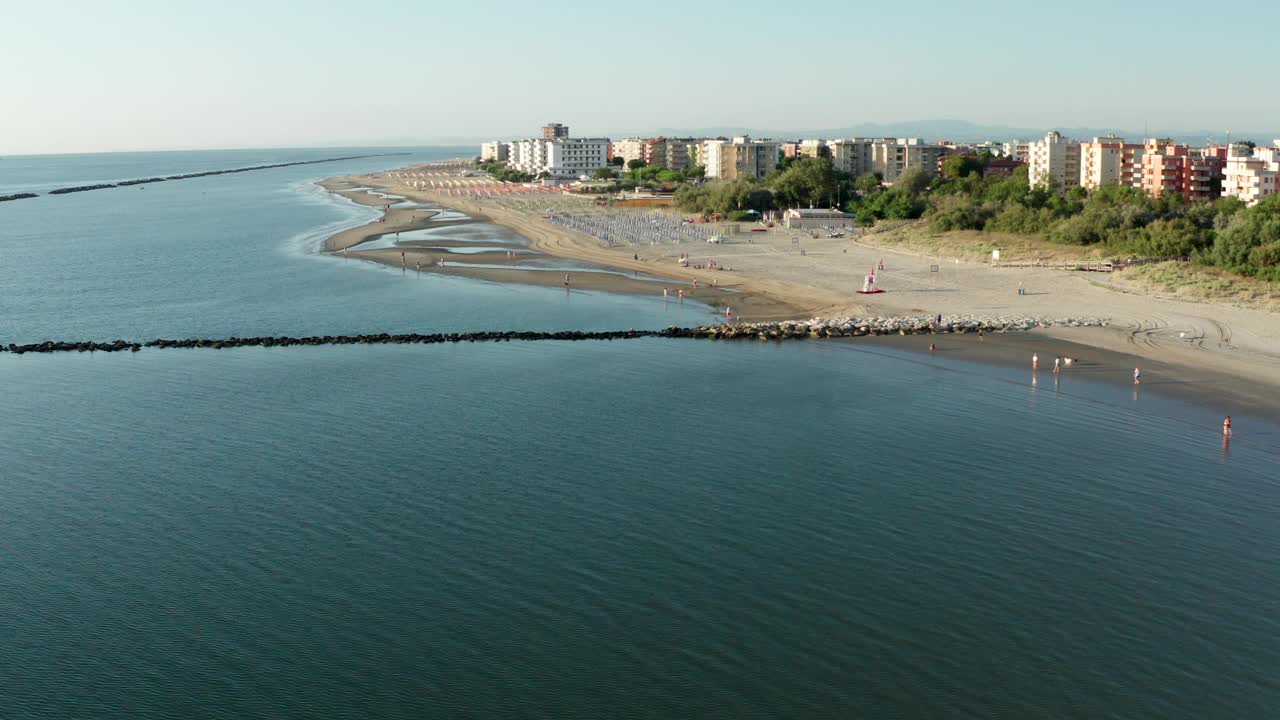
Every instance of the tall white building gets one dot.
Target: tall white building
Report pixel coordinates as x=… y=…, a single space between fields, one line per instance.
x=1252 y=174
x=1054 y=161
x=528 y=156
x=576 y=157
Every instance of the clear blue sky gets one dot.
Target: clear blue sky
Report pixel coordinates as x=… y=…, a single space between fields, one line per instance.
x=81 y=76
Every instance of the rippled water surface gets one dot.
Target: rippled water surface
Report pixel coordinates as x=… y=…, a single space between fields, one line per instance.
x=639 y=529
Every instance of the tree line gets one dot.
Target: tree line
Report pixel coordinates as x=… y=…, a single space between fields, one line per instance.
x=1122 y=220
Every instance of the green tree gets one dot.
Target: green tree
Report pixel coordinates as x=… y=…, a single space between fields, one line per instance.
x=807 y=181
x=1250 y=242
x=617 y=160
x=912 y=182
x=867 y=183
x=958 y=166
x=603 y=174
x=636 y=164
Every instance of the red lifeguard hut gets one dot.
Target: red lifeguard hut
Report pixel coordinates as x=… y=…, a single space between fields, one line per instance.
x=869 y=284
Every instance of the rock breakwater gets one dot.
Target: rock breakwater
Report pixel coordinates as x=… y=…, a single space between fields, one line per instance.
x=859 y=327
x=785 y=330
x=188 y=176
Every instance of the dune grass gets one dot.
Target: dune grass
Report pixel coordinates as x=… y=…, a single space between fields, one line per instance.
x=975 y=246
x=1199 y=283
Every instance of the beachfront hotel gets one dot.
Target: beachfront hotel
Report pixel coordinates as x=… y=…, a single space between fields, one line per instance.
x=576 y=157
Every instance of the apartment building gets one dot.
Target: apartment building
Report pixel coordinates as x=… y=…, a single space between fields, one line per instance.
x=1252 y=174
x=629 y=149
x=740 y=157
x=496 y=151
x=673 y=153
x=813 y=149
x=1054 y=162
x=1017 y=150
x=553 y=131
x=1110 y=160
x=853 y=156
x=892 y=156
x=576 y=157
x=1196 y=174
x=528 y=156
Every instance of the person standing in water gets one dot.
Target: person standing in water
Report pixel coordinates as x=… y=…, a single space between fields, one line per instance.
x=1137 y=376
x=1226 y=427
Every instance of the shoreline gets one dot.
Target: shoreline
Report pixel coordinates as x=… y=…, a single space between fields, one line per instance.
x=1232 y=355
x=418 y=255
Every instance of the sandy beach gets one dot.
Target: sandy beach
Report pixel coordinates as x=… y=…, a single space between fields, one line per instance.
x=1233 y=353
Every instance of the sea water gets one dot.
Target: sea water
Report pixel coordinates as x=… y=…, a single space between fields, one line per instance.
x=640 y=529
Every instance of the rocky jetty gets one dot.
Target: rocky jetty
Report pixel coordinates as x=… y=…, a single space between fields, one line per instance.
x=785 y=330
x=859 y=327
x=80 y=188
x=187 y=176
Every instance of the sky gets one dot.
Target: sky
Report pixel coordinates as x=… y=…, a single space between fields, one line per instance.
x=78 y=76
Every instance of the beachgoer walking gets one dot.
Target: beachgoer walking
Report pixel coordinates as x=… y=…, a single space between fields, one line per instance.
x=1137 y=376
x=1021 y=290
x=1057 y=364
x=566 y=279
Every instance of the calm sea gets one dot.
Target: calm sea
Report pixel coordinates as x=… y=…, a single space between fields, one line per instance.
x=642 y=529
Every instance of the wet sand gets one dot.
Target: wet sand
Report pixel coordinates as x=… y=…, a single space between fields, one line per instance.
x=419 y=255
x=397 y=219
x=1222 y=391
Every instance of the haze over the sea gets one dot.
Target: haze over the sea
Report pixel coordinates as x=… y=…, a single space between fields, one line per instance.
x=155 y=75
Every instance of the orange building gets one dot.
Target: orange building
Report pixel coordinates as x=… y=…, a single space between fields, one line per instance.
x=1193 y=174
